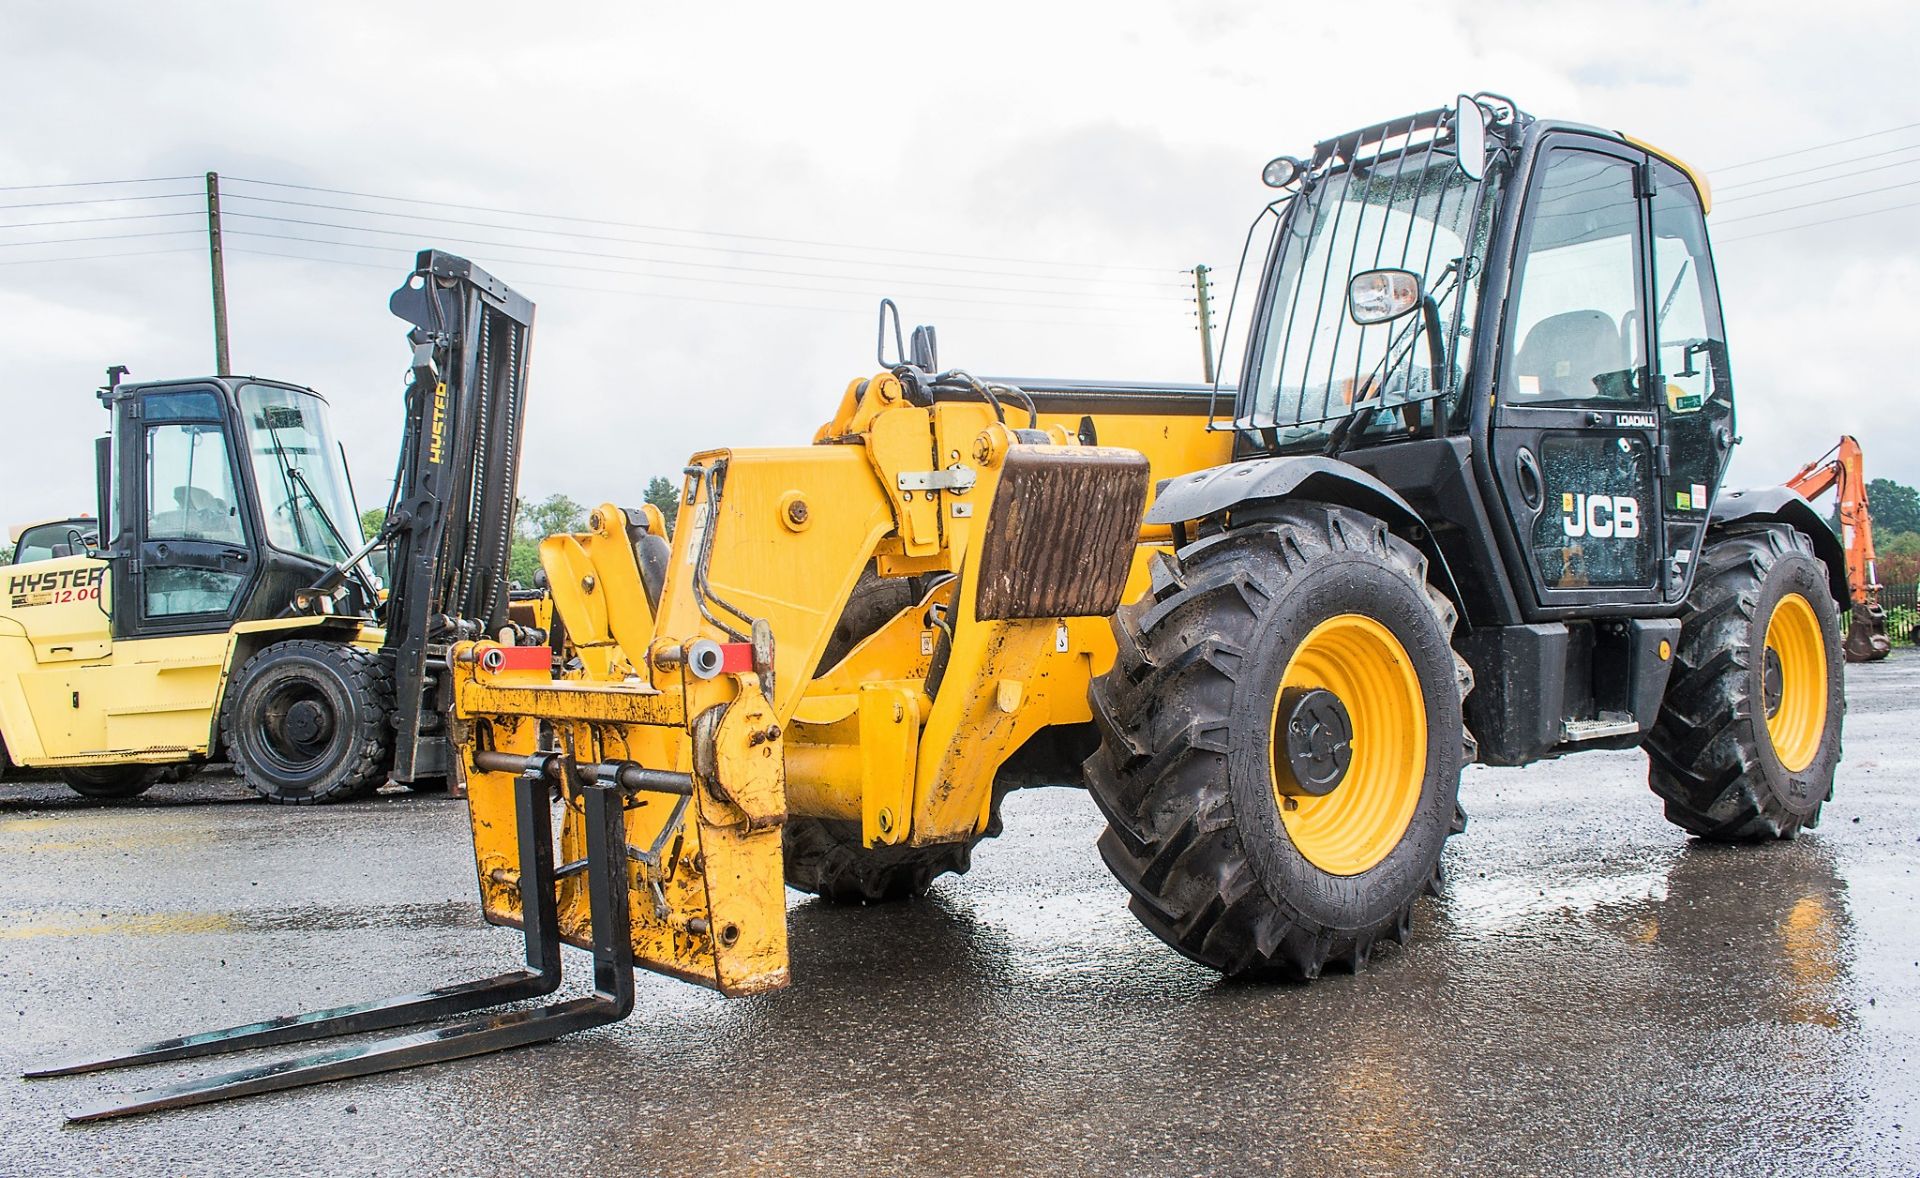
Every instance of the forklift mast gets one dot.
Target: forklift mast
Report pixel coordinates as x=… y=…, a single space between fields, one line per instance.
x=450 y=519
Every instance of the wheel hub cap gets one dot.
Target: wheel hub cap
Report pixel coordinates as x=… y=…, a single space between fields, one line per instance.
x=308 y=723
x=1318 y=744
x=1349 y=744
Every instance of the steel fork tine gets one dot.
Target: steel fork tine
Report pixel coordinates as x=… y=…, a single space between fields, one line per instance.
x=542 y=932
x=612 y=999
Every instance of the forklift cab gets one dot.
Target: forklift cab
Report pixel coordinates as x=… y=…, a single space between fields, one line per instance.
x=225 y=497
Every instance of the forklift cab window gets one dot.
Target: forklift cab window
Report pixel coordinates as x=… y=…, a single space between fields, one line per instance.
x=300 y=473
x=190 y=492
x=1574 y=337
x=190 y=499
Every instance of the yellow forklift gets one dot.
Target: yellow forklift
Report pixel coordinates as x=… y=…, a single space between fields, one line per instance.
x=229 y=603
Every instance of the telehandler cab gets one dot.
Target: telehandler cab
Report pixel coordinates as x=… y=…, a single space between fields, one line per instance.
x=1464 y=502
x=229 y=600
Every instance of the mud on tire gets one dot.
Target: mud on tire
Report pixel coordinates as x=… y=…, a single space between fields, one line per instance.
x=1185 y=770
x=1710 y=755
x=307 y=722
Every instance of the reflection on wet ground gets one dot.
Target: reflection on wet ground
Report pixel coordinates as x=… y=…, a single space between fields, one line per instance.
x=1596 y=993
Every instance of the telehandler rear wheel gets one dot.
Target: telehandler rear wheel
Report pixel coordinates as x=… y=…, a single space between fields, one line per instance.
x=1749 y=732
x=309 y=722
x=1281 y=743
x=110 y=782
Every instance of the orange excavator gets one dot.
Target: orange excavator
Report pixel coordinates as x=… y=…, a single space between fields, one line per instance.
x=1843 y=471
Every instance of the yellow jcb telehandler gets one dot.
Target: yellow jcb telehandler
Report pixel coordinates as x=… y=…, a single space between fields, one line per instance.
x=1464 y=503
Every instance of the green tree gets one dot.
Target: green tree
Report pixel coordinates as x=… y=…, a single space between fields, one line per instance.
x=1895 y=506
x=1899 y=556
x=533 y=522
x=662 y=493
x=371 y=521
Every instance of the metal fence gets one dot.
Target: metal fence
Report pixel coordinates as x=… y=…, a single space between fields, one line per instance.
x=1902 y=603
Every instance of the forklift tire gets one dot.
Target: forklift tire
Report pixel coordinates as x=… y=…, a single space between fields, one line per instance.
x=1281 y=741
x=110 y=782
x=1749 y=732
x=308 y=722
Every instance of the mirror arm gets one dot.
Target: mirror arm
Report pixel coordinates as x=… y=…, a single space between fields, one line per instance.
x=1436 y=346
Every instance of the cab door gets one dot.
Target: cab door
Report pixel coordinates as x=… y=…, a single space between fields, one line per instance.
x=1695 y=389
x=186 y=559
x=1576 y=436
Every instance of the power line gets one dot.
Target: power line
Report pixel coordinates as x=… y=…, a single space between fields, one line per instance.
x=1816 y=203
x=1800 y=184
x=1874 y=155
x=93 y=183
x=98 y=200
x=1816 y=147
x=722 y=249
x=7 y=245
x=650 y=260
x=676 y=297
x=188 y=249
x=1812 y=224
x=98 y=220
x=757 y=284
x=697 y=232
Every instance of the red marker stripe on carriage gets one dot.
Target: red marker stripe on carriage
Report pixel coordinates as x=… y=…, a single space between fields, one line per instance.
x=498 y=659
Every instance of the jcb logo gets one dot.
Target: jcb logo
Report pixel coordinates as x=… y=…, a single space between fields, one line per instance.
x=1600 y=516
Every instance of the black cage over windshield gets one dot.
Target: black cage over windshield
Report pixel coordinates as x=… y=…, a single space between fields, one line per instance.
x=1409 y=210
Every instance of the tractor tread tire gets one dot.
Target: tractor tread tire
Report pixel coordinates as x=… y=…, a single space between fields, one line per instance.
x=1709 y=757
x=823 y=857
x=362 y=768
x=1164 y=775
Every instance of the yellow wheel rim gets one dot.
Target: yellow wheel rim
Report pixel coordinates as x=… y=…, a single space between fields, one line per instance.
x=1361 y=820
x=1794 y=682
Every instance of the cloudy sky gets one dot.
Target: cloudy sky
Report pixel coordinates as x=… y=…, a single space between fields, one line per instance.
x=748 y=179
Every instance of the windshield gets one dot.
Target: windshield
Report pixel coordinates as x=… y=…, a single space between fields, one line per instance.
x=300 y=472
x=1316 y=365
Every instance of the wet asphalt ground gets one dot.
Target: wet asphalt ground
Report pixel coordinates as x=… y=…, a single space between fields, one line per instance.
x=1595 y=994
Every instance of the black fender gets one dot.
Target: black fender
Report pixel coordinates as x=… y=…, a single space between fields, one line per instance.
x=1304 y=476
x=1784 y=505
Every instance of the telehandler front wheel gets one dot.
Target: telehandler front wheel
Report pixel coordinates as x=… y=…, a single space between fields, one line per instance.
x=1749 y=732
x=110 y=782
x=1281 y=743
x=824 y=856
x=308 y=722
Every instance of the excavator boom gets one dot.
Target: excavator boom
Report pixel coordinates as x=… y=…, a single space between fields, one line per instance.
x=1842 y=470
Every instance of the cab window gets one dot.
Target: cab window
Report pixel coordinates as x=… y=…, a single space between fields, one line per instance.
x=1576 y=328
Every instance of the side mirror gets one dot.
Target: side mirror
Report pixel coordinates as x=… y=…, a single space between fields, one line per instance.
x=1378 y=296
x=1470 y=137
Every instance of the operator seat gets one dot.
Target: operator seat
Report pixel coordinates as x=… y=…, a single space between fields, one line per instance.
x=199 y=515
x=1564 y=354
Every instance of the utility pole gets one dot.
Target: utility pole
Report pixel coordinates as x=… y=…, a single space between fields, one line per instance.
x=221 y=360
x=1203 y=293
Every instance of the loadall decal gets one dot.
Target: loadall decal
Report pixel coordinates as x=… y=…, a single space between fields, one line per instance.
x=55 y=586
x=1599 y=516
